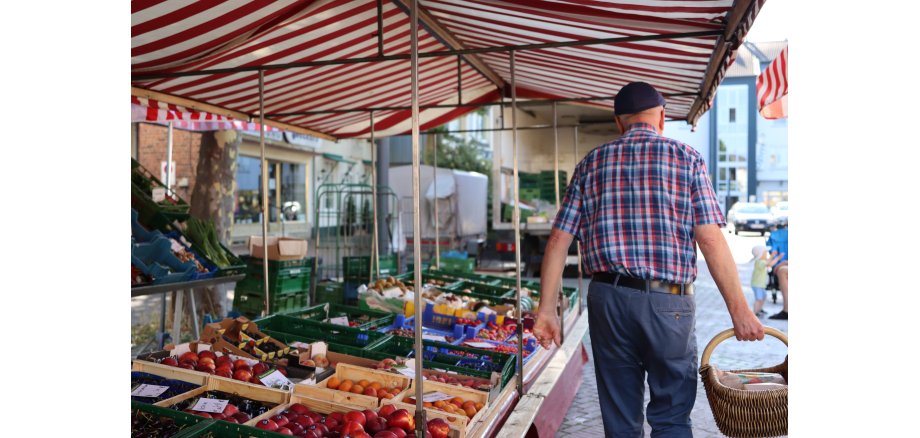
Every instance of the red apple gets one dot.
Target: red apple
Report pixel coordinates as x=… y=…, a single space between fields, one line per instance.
x=296 y=429
x=315 y=417
x=312 y=433
x=337 y=416
x=207 y=353
x=387 y=434
x=223 y=360
x=205 y=368
x=218 y=416
x=239 y=363
x=255 y=379
x=303 y=420
x=187 y=365
x=299 y=409
x=242 y=375
x=401 y=419
x=230 y=409
x=321 y=428
x=352 y=426
x=438 y=428
x=242 y=417
x=284 y=431
x=398 y=432
x=267 y=425
x=224 y=372
x=171 y=361
x=357 y=417
x=386 y=410
x=188 y=357
x=232 y=420
x=280 y=420
x=375 y=425
x=290 y=415
x=369 y=414
x=259 y=368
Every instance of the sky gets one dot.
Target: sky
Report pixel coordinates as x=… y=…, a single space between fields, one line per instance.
x=771 y=23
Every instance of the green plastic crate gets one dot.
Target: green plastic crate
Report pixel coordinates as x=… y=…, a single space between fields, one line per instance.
x=338 y=334
x=440 y=353
x=280 y=285
x=251 y=304
x=330 y=292
x=190 y=421
x=224 y=429
x=457 y=264
x=323 y=311
x=356 y=267
x=465 y=276
x=494 y=292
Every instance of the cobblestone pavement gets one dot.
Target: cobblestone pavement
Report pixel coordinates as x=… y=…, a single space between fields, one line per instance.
x=583 y=418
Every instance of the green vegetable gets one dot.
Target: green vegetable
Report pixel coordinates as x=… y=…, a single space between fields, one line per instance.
x=203 y=234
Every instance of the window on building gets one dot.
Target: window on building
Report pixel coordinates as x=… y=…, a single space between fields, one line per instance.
x=731 y=115
x=286 y=195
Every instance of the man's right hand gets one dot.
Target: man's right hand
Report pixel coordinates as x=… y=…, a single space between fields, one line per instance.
x=747 y=326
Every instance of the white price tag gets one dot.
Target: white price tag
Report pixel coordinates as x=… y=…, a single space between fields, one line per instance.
x=294 y=271
x=274 y=379
x=483 y=345
x=406 y=371
x=145 y=390
x=432 y=397
x=212 y=405
x=341 y=320
x=158 y=194
x=434 y=337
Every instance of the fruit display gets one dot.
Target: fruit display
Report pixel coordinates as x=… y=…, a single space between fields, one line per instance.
x=495 y=332
x=509 y=349
x=318 y=361
x=239 y=409
x=386 y=422
x=222 y=365
x=365 y=387
x=389 y=283
x=408 y=333
x=176 y=387
x=149 y=425
x=185 y=255
x=457 y=380
x=466 y=321
x=456 y=405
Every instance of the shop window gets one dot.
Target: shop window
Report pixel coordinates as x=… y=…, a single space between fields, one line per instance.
x=286 y=191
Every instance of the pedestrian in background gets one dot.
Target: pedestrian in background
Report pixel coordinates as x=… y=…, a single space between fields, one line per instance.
x=762 y=262
x=640 y=205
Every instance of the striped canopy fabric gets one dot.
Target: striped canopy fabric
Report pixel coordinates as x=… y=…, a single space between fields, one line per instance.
x=773 y=88
x=150 y=110
x=210 y=52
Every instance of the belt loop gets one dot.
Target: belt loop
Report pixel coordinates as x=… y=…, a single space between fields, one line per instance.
x=616 y=279
x=648 y=286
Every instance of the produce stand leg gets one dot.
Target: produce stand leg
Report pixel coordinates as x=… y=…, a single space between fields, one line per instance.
x=161 y=335
x=420 y=420
x=177 y=318
x=191 y=299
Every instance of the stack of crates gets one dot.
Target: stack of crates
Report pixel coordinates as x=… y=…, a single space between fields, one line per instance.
x=356 y=271
x=547 y=183
x=288 y=286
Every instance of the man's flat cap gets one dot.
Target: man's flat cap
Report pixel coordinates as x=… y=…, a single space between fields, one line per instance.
x=636 y=97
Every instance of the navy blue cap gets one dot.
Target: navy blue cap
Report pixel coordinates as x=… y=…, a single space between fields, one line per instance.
x=636 y=97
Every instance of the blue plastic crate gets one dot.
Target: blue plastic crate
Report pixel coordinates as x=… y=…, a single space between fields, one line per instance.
x=460 y=333
x=530 y=345
x=210 y=266
x=440 y=321
x=139 y=233
x=157 y=260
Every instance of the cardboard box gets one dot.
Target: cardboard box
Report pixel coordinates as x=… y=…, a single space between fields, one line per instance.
x=279 y=248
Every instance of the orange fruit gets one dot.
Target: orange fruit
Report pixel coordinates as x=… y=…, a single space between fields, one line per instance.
x=425 y=404
x=345 y=386
x=387 y=395
x=440 y=404
x=370 y=392
x=469 y=403
x=364 y=383
x=457 y=401
x=470 y=411
x=376 y=385
x=479 y=406
x=333 y=382
x=357 y=389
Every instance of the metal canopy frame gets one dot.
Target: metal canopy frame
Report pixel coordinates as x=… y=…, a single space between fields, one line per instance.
x=737 y=23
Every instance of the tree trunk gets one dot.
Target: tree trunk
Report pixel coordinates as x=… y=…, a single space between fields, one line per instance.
x=214 y=198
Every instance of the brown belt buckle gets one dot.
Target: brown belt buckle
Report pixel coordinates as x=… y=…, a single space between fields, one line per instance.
x=674 y=289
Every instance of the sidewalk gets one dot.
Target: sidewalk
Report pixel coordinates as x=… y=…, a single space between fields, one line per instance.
x=583 y=418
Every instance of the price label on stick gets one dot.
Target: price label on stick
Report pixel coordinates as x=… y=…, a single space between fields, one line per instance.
x=212 y=405
x=406 y=371
x=432 y=397
x=434 y=337
x=341 y=320
x=274 y=379
x=145 y=390
x=158 y=194
x=484 y=345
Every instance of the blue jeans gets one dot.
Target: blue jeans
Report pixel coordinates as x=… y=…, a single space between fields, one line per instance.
x=634 y=333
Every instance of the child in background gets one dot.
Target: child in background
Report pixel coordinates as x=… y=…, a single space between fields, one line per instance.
x=762 y=261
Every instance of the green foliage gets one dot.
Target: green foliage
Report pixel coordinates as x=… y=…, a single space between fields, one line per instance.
x=456 y=151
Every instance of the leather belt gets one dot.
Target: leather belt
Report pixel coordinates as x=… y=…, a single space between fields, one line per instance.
x=646 y=285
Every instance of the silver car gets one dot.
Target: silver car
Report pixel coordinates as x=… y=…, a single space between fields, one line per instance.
x=750 y=216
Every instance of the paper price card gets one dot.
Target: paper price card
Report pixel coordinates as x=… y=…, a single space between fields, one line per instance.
x=145 y=390
x=158 y=194
x=432 y=397
x=483 y=345
x=341 y=320
x=406 y=371
x=274 y=379
x=212 y=405
x=434 y=337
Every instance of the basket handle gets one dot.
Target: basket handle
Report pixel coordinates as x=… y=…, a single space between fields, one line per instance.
x=730 y=333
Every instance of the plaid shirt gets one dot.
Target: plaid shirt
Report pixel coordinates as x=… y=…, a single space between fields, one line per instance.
x=633 y=203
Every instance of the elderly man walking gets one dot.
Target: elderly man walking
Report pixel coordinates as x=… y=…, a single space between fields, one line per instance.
x=639 y=205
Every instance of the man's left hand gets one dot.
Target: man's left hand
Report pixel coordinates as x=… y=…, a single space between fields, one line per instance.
x=546 y=329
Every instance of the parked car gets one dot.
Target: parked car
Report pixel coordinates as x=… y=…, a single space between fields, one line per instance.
x=750 y=216
x=780 y=214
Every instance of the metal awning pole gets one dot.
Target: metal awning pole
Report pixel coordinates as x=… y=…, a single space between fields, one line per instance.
x=437 y=219
x=169 y=148
x=420 y=423
x=374 y=246
x=581 y=286
x=264 y=168
x=562 y=302
x=517 y=235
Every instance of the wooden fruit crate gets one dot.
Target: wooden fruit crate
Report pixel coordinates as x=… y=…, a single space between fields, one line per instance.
x=354 y=373
x=246 y=390
x=170 y=372
x=462 y=423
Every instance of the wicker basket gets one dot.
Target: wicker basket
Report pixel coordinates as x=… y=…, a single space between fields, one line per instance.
x=747 y=414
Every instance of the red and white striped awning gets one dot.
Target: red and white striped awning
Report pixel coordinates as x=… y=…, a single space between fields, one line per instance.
x=232 y=39
x=773 y=88
x=150 y=110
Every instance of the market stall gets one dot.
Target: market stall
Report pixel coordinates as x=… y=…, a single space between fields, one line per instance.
x=339 y=69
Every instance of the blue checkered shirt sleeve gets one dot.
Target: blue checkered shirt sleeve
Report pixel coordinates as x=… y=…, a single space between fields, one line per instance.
x=705 y=206
x=568 y=218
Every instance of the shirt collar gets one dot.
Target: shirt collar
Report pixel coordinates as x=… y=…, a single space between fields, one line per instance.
x=641 y=127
